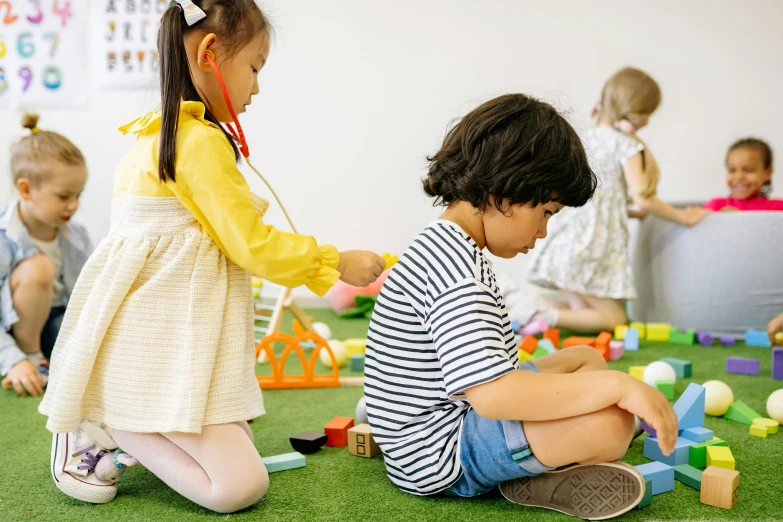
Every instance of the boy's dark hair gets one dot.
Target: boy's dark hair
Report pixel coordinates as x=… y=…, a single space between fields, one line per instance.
x=766 y=156
x=236 y=23
x=514 y=148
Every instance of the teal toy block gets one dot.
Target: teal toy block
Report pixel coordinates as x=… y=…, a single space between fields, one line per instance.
x=680 y=455
x=698 y=452
x=690 y=407
x=757 y=338
x=687 y=338
x=547 y=345
x=631 y=343
x=647 y=499
x=357 y=363
x=284 y=462
x=688 y=475
x=661 y=475
x=698 y=434
x=682 y=368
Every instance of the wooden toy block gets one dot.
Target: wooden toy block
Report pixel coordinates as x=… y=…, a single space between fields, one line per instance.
x=704 y=338
x=640 y=328
x=719 y=487
x=631 y=340
x=524 y=356
x=637 y=372
x=661 y=475
x=770 y=425
x=361 y=442
x=727 y=340
x=697 y=456
x=777 y=363
x=690 y=407
x=536 y=327
x=757 y=430
x=757 y=338
x=529 y=344
x=547 y=345
x=647 y=499
x=658 y=332
x=720 y=456
x=540 y=352
x=619 y=332
x=688 y=475
x=741 y=412
x=355 y=346
x=337 y=431
x=284 y=462
x=308 y=442
x=616 y=350
x=743 y=366
x=603 y=338
x=357 y=363
x=680 y=455
x=666 y=388
x=698 y=434
x=687 y=338
x=682 y=368
x=578 y=341
x=603 y=349
x=553 y=334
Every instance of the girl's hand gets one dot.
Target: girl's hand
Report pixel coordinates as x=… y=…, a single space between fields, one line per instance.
x=360 y=267
x=775 y=326
x=692 y=215
x=634 y=213
x=652 y=407
x=24 y=378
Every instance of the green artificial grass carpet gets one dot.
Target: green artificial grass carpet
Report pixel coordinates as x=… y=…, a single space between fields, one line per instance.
x=337 y=486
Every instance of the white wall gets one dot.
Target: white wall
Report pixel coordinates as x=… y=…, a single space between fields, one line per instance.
x=356 y=94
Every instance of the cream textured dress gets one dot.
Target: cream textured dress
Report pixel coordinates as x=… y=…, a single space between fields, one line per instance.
x=158 y=336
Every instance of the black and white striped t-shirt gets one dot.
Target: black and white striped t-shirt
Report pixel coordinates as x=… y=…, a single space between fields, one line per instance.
x=439 y=327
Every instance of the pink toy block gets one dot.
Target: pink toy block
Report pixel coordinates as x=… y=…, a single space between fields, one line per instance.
x=616 y=350
x=536 y=327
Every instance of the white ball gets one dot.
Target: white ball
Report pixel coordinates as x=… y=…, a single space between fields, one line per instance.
x=659 y=371
x=717 y=398
x=340 y=353
x=775 y=405
x=361 y=412
x=323 y=330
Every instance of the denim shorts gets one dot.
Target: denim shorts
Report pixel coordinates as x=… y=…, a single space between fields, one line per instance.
x=492 y=452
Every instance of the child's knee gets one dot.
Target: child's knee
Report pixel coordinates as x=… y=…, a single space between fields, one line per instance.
x=38 y=270
x=592 y=357
x=617 y=430
x=243 y=492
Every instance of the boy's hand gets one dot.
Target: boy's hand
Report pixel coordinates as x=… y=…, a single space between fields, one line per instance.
x=775 y=326
x=652 y=407
x=692 y=215
x=24 y=378
x=360 y=267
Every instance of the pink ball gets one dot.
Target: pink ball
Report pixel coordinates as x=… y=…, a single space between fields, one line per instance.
x=341 y=296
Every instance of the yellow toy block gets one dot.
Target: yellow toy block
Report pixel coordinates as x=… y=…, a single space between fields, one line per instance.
x=720 y=456
x=257 y=283
x=637 y=372
x=758 y=431
x=355 y=346
x=524 y=356
x=619 y=332
x=641 y=328
x=770 y=425
x=659 y=332
x=390 y=260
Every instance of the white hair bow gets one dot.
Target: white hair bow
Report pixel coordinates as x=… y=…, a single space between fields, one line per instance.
x=193 y=13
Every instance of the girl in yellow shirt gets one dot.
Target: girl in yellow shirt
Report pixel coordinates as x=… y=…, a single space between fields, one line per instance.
x=156 y=349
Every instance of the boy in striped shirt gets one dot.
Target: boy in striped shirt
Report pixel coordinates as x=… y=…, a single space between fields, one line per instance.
x=447 y=402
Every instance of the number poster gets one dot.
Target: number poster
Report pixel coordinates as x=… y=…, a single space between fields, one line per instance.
x=43 y=54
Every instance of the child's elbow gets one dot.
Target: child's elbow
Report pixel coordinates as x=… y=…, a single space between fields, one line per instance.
x=481 y=399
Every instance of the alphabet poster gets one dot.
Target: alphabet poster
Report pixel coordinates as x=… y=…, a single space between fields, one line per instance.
x=128 y=33
x=43 y=54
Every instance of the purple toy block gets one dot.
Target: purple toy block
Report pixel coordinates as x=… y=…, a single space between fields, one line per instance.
x=777 y=363
x=649 y=429
x=727 y=340
x=743 y=366
x=704 y=338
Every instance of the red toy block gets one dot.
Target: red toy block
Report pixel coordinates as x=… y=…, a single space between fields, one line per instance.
x=529 y=344
x=337 y=431
x=578 y=341
x=553 y=334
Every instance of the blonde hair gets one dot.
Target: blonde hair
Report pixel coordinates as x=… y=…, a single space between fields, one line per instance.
x=631 y=94
x=30 y=153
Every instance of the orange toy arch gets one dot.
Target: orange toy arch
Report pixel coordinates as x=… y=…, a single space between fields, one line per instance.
x=278 y=380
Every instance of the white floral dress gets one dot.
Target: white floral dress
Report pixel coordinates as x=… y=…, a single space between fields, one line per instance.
x=587 y=249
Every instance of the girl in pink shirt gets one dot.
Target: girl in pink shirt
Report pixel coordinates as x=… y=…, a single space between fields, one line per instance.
x=749 y=176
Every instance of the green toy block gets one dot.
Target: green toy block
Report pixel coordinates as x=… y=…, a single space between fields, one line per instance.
x=284 y=462
x=688 y=475
x=687 y=338
x=682 y=368
x=697 y=456
x=666 y=388
x=357 y=363
x=540 y=352
x=741 y=412
x=647 y=499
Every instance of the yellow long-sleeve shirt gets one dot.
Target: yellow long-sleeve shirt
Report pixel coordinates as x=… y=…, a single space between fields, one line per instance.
x=209 y=184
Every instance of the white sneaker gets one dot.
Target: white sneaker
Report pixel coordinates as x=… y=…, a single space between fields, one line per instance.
x=74 y=457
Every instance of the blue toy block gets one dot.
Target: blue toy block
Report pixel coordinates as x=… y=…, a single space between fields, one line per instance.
x=284 y=462
x=515 y=325
x=698 y=434
x=661 y=475
x=680 y=455
x=547 y=345
x=757 y=338
x=631 y=343
x=690 y=407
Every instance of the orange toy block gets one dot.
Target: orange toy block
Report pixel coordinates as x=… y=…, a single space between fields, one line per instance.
x=297 y=327
x=602 y=344
x=553 y=334
x=337 y=431
x=578 y=341
x=529 y=344
x=603 y=349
